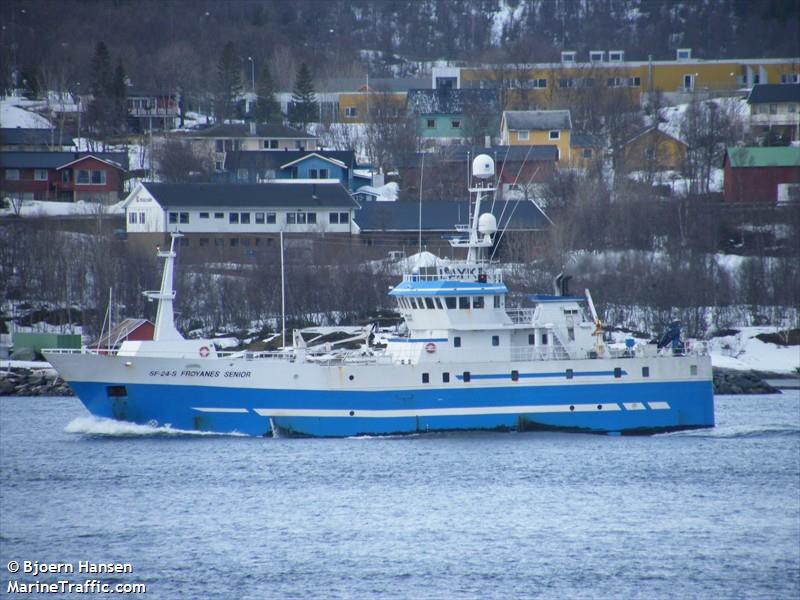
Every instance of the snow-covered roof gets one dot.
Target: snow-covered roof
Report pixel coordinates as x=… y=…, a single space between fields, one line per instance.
x=384 y=193
x=333 y=161
x=533 y=120
x=449 y=101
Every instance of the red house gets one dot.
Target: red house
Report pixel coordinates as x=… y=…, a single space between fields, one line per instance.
x=754 y=174
x=64 y=176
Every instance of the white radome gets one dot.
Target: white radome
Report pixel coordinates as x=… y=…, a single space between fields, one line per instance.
x=487 y=224
x=483 y=166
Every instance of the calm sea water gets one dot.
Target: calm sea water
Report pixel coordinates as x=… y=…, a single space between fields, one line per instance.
x=710 y=514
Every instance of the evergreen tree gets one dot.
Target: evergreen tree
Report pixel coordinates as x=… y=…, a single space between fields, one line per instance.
x=107 y=112
x=119 y=98
x=267 y=109
x=229 y=82
x=304 y=108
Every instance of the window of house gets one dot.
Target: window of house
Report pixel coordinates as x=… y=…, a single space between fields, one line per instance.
x=273 y=144
x=558 y=154
x=773 y=109
x=568 y=57
x=635 y=82
x=450 y=302
x=173 y=218
x=271 y=218
x=477 y=302
x=311 y=218
x=12 y=174
x=98 y=177
x=40 y=174
x=259 y=218
x=587 y=153
x=684 y=53
x=203 y=215
x=83 y=176
x=234 y=242
x=219 y=242
x=219 y=146
x=613 y=82
x=351 y=111
x=132 y=218
x=688 y=82
x=297 y=218
x=430 y=124
x=242 y=174
x=344 y=217
x=463 y=302
x=790 y=78
x=291 y=218
x=566 y=82
x=299 y=145
x=184 y=242
x=555 y=135
x=495 y=340
x=540 y=83
x=650 y=153
x=141 y=218
x=596 y=56
x=455 y=123
x=65 y=176
x=246 y=242
x=523 y=136
x=218 y=165
x=457 y=341
x=184 y=217
x=203 y=242
x=244 y=218
x=616 y=56
x=233 y=218
x=312 y=174
x=324 y=174
x=219 y=215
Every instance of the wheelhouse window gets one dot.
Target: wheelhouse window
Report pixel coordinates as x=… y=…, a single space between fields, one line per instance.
x=429 y=303
x=463 y=302
x=477 y=302
x=450 y=302
x=496 y=301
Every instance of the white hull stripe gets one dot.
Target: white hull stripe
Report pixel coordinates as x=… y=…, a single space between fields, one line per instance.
x=204 y=409
x=634 y=406
x=436 y=412
x=659 y=405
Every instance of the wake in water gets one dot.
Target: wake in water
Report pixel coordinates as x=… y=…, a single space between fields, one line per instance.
x=742 y=431
x=99 y=427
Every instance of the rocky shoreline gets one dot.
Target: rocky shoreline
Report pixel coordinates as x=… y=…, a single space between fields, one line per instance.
x=46 y=382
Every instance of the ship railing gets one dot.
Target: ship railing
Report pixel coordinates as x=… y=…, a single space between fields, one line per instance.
x=528 y=353
x=520 y=316
x=461 y=272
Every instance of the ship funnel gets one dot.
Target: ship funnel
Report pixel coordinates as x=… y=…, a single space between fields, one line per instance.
x=483 y=166
x=487 y=224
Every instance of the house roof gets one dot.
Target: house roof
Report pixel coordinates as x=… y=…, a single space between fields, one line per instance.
x=449 y=101
x=537 y=119
x=329 y=159
x=444 y=215
x=120 y=332
x=241 y=130
x=649 y=129
x=55 y=160
x=774 y=92
x=775 y=156
x=500 y=154
x=223 y=195
x=110 y=163
x=376 y=84
x=586 y=140
x=19 y=136
x=275 y=159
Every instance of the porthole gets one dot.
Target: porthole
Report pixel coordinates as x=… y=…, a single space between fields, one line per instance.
x=571 y=407
x=351 y=377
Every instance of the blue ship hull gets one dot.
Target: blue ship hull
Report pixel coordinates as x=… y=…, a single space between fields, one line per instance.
x=599 y=408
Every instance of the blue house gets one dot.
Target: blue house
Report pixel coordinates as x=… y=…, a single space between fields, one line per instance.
x=260 y=167
x=448 y=115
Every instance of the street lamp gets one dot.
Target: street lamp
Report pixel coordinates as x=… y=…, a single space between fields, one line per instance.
x=252 y=72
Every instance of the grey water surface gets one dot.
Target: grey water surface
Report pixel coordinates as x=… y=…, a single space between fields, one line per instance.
x=702 y=514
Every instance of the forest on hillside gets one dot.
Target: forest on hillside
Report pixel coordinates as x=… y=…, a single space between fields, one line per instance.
x=176 y=44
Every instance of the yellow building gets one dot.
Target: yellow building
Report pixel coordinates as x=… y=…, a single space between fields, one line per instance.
x=653 y=150
x=552 y=84
x=537 y=128
x=587 y=150
x=355 y=107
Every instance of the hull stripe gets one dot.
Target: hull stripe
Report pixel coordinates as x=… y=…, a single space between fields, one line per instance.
x=205 y=409
x=659 y=405
x=437 y=412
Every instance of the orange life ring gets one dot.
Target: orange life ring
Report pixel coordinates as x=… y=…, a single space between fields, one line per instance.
x=430 y=347
x=204 y=351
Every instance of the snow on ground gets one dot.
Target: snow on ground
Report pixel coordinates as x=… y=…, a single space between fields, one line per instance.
x=505 y=15
x=44 y=208
x=743 y=351
x=13 y=116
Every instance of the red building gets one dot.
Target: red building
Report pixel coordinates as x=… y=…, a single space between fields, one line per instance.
x=754 y=174
x=63 y=176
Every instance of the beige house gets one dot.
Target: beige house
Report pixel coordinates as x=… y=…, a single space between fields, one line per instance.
x=536 y=128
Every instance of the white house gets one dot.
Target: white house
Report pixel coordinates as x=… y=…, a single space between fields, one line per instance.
x=219 y=213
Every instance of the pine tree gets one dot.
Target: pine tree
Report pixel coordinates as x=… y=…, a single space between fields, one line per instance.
x=229 y=82
x=100 y=113
x=304 y=107
x=267 y=109
x=119 y=98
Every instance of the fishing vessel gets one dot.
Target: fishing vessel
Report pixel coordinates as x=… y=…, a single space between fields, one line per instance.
x=467 y=360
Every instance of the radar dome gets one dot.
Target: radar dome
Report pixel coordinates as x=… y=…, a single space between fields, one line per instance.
x=483 y=166
x=487 y=224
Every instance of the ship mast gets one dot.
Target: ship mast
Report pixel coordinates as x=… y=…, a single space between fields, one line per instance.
x=483 y=226
x=165 y=318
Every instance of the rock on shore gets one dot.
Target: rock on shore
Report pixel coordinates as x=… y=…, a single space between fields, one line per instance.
x=732 y=381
